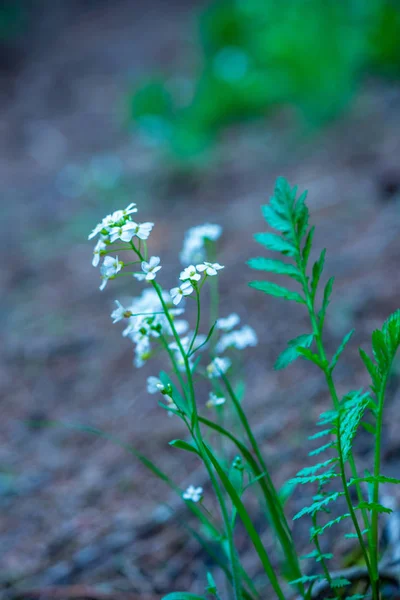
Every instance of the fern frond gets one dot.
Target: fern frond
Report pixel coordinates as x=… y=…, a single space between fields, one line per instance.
x=318 y=505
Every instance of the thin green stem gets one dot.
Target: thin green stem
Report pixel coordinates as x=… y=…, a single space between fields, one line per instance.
x=322 y=560
x=196 y=331
x=377 y=468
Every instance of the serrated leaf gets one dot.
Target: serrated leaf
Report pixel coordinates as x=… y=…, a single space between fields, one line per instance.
x=373 y=506
x=323 y=528
x=291 y=353
x=317 y=451
x=353 y=536
x=307 y=579
x=329 y=416
x=182 y=445
x=380 y=350
x=275 y=220
x=314 y=468
x=274 y=242
x=340 y=582
x=325 y=301
x=274 y=266
x=301 y=215
x=321 y=479
x=318 y=505
x=320 y=434
x=373 y=479
x=307 y=246
x=341 y=348
x=311 y=356
x=317 y=269
x=352 y=411
x=276 y=290
x=371 y=367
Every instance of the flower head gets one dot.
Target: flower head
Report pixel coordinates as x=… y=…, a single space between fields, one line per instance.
x=143 y=230
x=193 y=494
x=110 y=267
x=218 y=366
x=214 y=400
x=239 y=339
x=123 y=232
x=228 y=323
x=177 y=293
x=116 y=218
x=149 y=269
x=209 y=268
x=154 y=385
x=193 y=246
x=190 y=273
x=120 y=312
x=97 y=250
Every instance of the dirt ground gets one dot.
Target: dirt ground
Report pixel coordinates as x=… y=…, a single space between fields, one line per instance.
x=75 y=509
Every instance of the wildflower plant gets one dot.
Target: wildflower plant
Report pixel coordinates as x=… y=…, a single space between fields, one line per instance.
x=227 y=447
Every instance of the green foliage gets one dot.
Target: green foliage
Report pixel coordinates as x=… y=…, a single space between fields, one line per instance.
x=258 y=55
x=291 y=353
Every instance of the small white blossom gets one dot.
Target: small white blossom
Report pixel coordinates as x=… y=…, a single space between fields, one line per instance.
x=124 y=232
x=214 y=400
x=96 y=252
x=149 y=269
x=177 y=293
x=111 y=220
x=110 y=267
x=210 y=268
x=120 y=312
x=238 y=339
x=217 y=366
x=190 y=273
x=193 y=494
x=154 y=385
x=193 y=246
x=143 y=230
x=228 y=323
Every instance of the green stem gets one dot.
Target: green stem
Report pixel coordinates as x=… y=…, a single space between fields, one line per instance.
x=196 y=433
x=322 y=560
x=377 y=468
x=332 y=389
x=196 y=331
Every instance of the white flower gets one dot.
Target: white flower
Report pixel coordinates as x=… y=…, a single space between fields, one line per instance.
x=193 y=494
x=124 y=232
x=96 y=252
x=177 y=293
x=228 y=323
x=193 y=246
x=111 y=220
x=238 y=339
x=120 y=312
x=190 y=273
x=217 y=366
x=143 y=230
x=149 y=269
x=209 y=268
x=110 y=267
x=214 y=400
x=154 y=385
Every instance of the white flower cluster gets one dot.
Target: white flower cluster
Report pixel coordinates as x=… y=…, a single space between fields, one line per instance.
x=190 y=276
x=240 y=338
x=193 y=494
x=145 y=320
x=193 y=250
x=120 y=226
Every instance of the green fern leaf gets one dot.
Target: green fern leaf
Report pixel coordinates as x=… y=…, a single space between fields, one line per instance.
x=307 y=246
x=320 y=434
x=340 y=582
x=276 y=290
x=352 y=411
x=307 y=579
x=275 y=220
x=323 y=528
x=354 y=536
x=318 y=505
x=275 y=243
x=317 y=269
x=314 y=468
x=307 y=354
x=341 y=348
x=373 y=506
x=322 y=449
x=326 y=300
x=291 y=353
x=274 y=266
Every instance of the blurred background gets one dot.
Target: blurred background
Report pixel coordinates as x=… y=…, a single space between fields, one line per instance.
x=191 y=109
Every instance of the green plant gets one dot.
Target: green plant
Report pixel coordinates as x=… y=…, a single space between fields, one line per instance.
x=258 y=55
x=225 y=443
